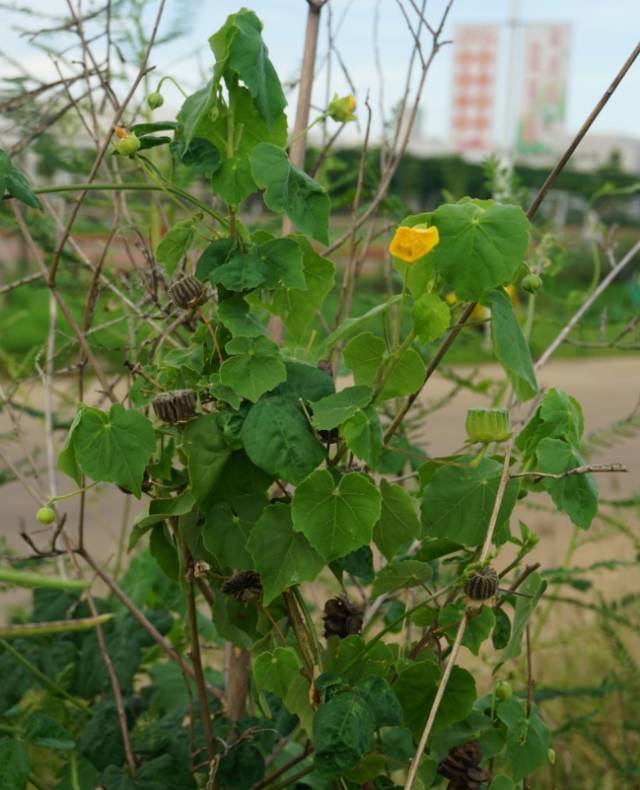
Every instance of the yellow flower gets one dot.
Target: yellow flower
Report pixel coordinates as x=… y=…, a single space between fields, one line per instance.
x=410 y=244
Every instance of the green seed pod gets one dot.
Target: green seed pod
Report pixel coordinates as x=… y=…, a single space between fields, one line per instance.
x=46 y=515
x=155 y=100
x=127 y=145
x=175 y=407
x=531 y=283
x=503 y=690
x=482 y=584
x=487 y=425
x=188 y=292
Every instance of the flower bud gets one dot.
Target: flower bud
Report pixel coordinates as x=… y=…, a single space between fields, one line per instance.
x=155 y=100
x=531 y=283
x=487 y=425
x=341 y=108
x=503 y=690
x=46 y=515
x=127 y=143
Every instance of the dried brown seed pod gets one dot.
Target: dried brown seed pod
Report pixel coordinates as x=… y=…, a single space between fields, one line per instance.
x=462 y=767
x=244 y=586
x=341 y=617
x=188 y=292
x=175 y=406
x=482 y=584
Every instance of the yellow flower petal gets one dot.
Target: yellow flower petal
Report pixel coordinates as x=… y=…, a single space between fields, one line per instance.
x=410 y=244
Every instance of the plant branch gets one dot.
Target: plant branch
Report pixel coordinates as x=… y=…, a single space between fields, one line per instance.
x=577 y=470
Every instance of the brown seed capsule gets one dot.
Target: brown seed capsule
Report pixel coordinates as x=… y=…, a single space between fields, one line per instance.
x=462 y=767
x=244 y=586
x=175 y=407
x=188 y=292
x=341 y=617
x=482 y=584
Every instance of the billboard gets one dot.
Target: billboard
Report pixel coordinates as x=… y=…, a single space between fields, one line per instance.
x=543 y=92
x=474 y=88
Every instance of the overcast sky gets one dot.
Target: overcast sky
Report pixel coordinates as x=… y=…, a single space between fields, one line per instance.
x=603 y=34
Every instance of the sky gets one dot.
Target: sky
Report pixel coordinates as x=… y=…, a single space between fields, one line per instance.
x=602 y=36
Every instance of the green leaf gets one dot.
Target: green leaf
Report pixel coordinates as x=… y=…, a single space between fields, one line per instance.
x=278 y=439
x=114 y=447
x=332 y=411
x=349 y=326
x=175 y=244
x=381 y=700
x=401 y=575
x=416 y=688
x=214 y=256
x=275 y=671
x=343 y=731
x=159 y=510
x=207 y=453
x=67 y=461
x=336 y=518
x=398 y=525
x=458 y=501
x=233 y=180
x=227 y=528
x=243 y=272
x=431 y=317
x=479 y=625
x=254 y=368
x=164 y=551
x=42 y=730
x=502 y=630
x=346 y=657
x=575 y=495
x=239 y=47
x=558 y=415
x=365 y=356
x=235 y=314
x=481 y=246
x=291 y=191
x=362 y=434
x=306 y=382
x=510 y=347
x=282 y=259
x=5 y=169
x=534 y=586
x=193 y=110
x=18 y=186
x=527 y=738
x=281 y=556
x=201 y=155
x=298 y=308
x=15 y=764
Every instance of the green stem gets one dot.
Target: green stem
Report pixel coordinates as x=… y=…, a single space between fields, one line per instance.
x=380 y=635
x=37 y=580
x=84 y=707
x=71 y=493
x=302 y=133
x=309 y=622
x=175 y=82
x=392 y=364
x=131 y=186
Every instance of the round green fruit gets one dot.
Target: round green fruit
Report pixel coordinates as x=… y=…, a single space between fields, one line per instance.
x=531 y=283
x=155 y=100
x=487 y=425
x=128 y=145
x=503 y=690
x=46 y=515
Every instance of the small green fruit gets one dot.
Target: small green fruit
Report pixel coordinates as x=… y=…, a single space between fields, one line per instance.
x=46 y=515
x=127 y=145
x=531 y=283
x=551 y=756
x=487 y=425
x=503 y=690
x=155 y=100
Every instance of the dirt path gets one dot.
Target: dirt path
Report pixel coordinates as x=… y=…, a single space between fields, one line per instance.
x=607 y=388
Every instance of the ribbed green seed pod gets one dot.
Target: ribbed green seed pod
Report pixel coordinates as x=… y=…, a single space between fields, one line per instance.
x=487 y=425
